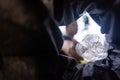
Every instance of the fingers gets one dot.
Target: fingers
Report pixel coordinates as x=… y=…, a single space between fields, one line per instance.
x=73 y=54
x=69 y=49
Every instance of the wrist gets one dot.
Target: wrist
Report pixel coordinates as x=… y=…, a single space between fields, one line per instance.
x=67 y=38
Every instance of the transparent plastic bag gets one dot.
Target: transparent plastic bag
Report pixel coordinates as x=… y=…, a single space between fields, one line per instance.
x=92 y=48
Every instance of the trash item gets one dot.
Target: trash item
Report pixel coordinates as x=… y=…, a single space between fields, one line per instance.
x=92 y=48
x=83 y=61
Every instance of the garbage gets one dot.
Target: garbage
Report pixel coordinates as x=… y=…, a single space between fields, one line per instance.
x=92 y=48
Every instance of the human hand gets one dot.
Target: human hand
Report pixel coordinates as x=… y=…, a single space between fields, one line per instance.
x=69 y=49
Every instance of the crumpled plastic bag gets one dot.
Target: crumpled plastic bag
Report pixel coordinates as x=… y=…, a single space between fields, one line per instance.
x=93 y=47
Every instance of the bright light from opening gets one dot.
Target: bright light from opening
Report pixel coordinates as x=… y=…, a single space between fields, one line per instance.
x=93 y=28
